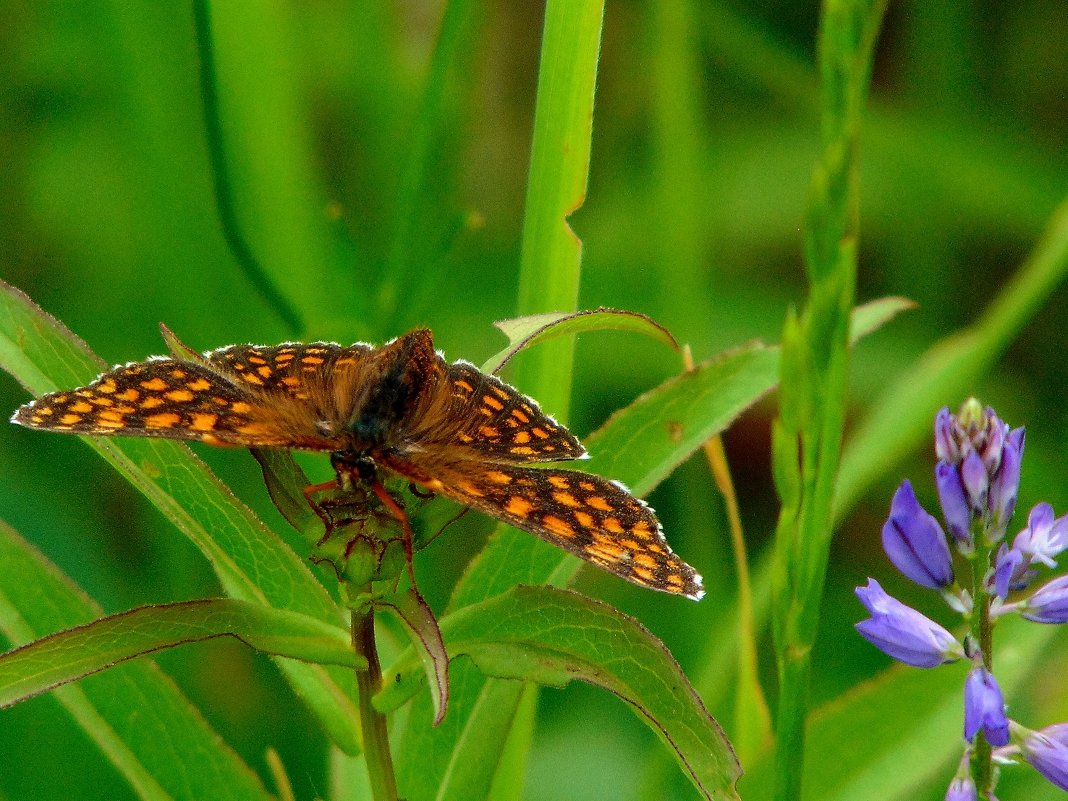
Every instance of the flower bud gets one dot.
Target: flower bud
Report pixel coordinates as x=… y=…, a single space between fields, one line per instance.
x=915 y=542
x=1049 y=604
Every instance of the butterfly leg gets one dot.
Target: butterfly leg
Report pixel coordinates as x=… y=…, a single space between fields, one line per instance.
x=402 y=517
x=310 y=490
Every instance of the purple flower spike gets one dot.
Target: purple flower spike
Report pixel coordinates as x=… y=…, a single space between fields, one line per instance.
x=1044 y=537
x=902 y=632
x=984 y=708
x=962 y=789
x=1049 y=604
x=915 y=542
x=1047 y=751
x=955 y=508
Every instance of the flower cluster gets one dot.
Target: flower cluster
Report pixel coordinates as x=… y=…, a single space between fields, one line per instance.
x=977 y=477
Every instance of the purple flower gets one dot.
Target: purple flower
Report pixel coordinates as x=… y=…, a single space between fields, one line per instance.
x=915 y=542
x=1044 y=537
x=902 y=632
x=955 y=507
x=962 y=788
x=1047 y=751
x=984 y=708
x=1049 y=604
x=1010 y=571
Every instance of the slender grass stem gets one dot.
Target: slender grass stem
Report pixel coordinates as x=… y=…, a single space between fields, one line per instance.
x=220 y=175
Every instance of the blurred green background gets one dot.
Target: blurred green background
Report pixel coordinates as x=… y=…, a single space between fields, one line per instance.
x=705 y=132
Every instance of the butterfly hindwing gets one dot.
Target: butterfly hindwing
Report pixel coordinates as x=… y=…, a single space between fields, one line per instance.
x=587 y=515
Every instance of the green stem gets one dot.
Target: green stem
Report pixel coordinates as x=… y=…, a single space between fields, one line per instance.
x=372 y=722
x=981 y=632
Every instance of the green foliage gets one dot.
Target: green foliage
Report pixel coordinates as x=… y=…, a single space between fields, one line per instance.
x=251 y=172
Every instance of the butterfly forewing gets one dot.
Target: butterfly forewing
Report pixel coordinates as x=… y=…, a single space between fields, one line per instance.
x=502 y=424
x=176 y=400
x=593 y=518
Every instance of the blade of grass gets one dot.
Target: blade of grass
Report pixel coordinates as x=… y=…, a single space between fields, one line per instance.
x=807 y=436
x=252 y=563
x=459 y=29
x=224 y=194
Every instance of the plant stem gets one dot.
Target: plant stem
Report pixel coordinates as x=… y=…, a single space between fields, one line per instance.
x=981 y=632
x=372 y=722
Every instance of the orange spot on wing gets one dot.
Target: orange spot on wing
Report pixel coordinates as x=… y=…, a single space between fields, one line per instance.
x=598 y=502
x=70 y=419
x=203 y=421
x=557 y=526
x=179 y=395
x=81 y=406
x=162 y=420
x=492 y=402
x=520 y=507
x=155 y=384
x=151 y=403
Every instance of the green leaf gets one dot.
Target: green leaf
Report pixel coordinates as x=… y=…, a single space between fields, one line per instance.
x=252 y=563
x=36 y=599
x=522 y=332
x=639 y=445
x=419 y=619
x=553 y=636
x=78 y=652
x=870 y=317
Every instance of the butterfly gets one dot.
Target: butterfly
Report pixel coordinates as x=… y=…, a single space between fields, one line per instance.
x=395 y=410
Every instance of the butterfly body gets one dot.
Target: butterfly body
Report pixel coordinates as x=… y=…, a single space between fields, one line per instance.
x=399 y=408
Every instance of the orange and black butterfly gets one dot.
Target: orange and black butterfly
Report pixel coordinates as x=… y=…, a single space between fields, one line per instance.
x=400 y=409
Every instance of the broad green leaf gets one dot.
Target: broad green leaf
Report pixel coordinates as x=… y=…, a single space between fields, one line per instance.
x=553 y=636
x=35 y=600
x=522 y=332
x=252 y=563
x=73 y=654
x=639 y=446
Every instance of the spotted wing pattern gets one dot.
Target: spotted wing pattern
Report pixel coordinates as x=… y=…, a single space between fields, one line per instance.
x=174 y=399
x=502 y=424
x=596 y=519
x=449 y=428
